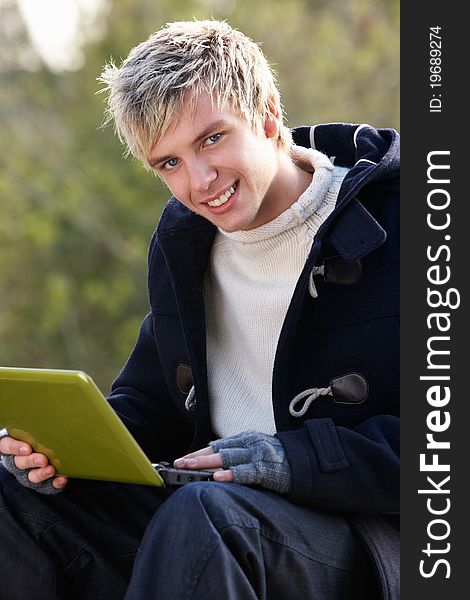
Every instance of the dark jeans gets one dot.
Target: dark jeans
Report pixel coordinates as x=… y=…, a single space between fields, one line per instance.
x=204 y=540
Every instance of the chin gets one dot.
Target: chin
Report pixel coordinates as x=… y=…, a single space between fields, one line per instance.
x=229 y=228
x=242 y=223
x=232 y=227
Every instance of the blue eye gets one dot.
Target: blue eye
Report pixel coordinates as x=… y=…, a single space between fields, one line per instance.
x=170 y=164
x=212 y=139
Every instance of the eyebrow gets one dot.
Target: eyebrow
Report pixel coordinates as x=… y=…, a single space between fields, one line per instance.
x=205 y=133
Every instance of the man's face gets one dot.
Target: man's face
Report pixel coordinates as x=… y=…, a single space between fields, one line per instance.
x=217 y=166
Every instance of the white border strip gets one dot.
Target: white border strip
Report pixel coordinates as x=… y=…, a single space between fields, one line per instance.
x=366 y=160
x=358 y=130
x=312 y=137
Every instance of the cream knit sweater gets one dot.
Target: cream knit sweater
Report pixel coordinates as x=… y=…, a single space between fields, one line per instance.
x=247 y=289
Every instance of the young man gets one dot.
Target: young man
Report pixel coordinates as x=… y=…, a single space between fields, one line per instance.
x=273 y=330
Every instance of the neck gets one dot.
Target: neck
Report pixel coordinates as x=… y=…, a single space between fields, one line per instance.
x=288 y=185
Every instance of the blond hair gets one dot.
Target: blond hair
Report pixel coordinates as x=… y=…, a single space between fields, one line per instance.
x=146 y=93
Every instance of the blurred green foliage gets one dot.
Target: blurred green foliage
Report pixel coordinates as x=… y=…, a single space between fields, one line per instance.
x=76 y=218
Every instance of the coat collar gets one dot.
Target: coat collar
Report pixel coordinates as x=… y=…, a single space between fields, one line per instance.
x=371 y=154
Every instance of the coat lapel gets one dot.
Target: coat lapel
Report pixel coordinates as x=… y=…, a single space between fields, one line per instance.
x=186 y=249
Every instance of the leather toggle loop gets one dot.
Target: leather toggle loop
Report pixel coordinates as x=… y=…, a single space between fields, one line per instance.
x=350 y=389
x=344 y=272
x=346 y=389
x=184 y=378
x=335 y=270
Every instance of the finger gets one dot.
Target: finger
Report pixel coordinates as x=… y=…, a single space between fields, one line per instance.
x=202 y=452
x=31 y=461
x=222 y=475
x=39 y=475
x=9 y=445
x=59 y=482
x=209 y=461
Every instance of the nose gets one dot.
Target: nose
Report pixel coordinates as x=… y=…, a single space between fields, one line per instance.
x=201 y=175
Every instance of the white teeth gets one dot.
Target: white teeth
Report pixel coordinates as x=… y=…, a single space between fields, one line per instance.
x=223 y=198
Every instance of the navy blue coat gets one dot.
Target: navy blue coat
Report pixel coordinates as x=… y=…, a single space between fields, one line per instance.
x=343 y=454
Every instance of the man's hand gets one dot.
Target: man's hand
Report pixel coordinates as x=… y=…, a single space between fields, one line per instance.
x=24 y=458
x=249 y=458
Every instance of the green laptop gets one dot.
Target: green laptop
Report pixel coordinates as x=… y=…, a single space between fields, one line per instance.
x=63 y=415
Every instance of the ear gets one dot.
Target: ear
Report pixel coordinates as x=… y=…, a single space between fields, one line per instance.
x=272 y=122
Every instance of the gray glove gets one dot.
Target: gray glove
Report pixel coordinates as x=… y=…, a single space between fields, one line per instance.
x=8 y=461
x=255 y=458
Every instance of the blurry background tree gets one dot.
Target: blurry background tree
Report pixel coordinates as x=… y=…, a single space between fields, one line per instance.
x=76 y=218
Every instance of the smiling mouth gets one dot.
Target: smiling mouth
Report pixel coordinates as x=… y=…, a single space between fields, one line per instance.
x=222 y=199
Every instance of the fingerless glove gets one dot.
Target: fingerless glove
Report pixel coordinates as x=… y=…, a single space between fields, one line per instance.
x=255 y=458
x=8 y=461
